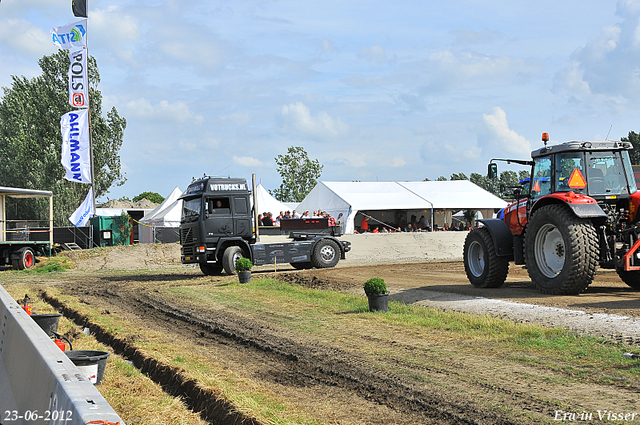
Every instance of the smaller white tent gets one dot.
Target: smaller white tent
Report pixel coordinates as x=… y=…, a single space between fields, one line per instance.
x=167 y=214
x=267 y=203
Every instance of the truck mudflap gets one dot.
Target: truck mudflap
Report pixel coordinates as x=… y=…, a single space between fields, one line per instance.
x=501 y=235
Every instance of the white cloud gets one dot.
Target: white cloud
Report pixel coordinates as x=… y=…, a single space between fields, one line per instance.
x=111 y=24
x=502 y=137
x=608 y=63
x=23 y=36
x=447 y=70
x=398 y=162
x=247 y=161
x=163 y=110
x=375 y=53
x=297 y=116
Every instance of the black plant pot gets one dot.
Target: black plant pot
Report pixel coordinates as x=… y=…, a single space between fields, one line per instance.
x=244 y=277
x=379 y=302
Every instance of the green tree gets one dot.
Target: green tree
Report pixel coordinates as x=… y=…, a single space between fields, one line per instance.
x=151 y=196
x=634 y=138
x=441 y=179
x=30 y=139
x=458 y=176
x=299 y=175
x=484 y=182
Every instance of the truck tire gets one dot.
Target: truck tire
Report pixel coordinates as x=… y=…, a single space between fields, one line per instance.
x=302 y=266
x=229 y=258
x=26 y=259
x=561 y=251
x=325 y=254
x=484 y=268
x=631 y=278
x=211 y=269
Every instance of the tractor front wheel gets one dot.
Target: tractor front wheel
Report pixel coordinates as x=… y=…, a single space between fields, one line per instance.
x=561 y=251
x=484 y=268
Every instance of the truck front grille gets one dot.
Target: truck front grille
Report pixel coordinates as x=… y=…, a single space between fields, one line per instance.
x=186 y=235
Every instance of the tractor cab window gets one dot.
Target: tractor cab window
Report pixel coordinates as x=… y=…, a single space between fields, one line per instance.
x=570 y=174
x=191 y=209
x=606 y=174
x=218 y=206
x=541 y=180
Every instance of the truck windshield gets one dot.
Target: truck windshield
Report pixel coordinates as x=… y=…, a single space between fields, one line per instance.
x=191 y=209
x=606 y=174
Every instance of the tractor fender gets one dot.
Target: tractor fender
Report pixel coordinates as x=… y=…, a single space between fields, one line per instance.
x=501 y=235
x=581 y=205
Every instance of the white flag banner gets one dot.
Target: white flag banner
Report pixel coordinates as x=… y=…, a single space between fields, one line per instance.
x=81 y=216
x=70 y=36
x=78 y=80
x=75 y=146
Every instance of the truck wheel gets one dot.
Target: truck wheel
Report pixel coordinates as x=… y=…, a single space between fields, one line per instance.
x=561 y=251
x=26 y=259
x=326 y=254
x=484 y=268
x=229 y=258
x=211 y=269
x=631 y=278
x=302 y=266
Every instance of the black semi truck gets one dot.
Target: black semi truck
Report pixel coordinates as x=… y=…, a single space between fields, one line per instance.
x=218 y=226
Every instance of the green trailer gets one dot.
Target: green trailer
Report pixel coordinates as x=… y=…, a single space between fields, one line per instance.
x=15 y=247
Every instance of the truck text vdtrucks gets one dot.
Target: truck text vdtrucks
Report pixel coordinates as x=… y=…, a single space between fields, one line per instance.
x=218 y=227
x=578 y=210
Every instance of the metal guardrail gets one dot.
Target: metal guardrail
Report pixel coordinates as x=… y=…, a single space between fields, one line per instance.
x=38 y=382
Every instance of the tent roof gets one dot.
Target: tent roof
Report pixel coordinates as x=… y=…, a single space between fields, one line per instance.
x=456 y=194
x=168 y=210
x=267 y=203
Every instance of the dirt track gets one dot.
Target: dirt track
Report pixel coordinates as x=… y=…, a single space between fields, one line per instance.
x=335 y=382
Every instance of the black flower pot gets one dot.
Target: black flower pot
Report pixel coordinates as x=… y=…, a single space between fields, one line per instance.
x=379 y=302
x=244 y=277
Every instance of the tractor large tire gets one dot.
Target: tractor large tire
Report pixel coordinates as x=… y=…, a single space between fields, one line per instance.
x=561 y=251
x=631 y=278
x=229 y=258
x=211 y=269
x=325 y=254
x=484 y=268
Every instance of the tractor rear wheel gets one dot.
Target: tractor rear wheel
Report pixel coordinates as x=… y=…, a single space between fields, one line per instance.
x=484 y=268
x=561 y=251
x=631 y=278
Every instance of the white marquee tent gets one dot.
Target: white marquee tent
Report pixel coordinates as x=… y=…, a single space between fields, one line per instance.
x=267 y=203
x=343 y=200
x=167 y=214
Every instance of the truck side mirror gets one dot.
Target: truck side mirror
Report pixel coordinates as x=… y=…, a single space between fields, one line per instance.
x=492 y=171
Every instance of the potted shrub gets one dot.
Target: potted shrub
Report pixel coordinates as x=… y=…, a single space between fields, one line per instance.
x=376 y=290
x=243 y=267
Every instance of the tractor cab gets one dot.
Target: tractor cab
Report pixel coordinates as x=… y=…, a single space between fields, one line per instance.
x=601 y=170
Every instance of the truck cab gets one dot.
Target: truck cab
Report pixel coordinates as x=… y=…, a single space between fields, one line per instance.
x=217 y=228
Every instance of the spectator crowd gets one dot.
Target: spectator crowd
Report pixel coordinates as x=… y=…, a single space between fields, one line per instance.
x=267 y=219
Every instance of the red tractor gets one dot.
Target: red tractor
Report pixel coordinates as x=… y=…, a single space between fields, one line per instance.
x=578 y=210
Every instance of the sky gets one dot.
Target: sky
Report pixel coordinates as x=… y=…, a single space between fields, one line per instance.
x=374 y=90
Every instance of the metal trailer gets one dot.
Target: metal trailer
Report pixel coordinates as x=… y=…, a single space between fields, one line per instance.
x=21 y=254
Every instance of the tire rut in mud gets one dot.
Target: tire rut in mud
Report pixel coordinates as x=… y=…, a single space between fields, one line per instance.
x=302 y=365
x=204 y=401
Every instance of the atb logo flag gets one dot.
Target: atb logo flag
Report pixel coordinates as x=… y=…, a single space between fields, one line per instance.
x=78 y=81
x=75 y=146
x=81 y=216
x=70 y=36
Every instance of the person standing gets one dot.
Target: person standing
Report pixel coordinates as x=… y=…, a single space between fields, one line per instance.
x=364 y=224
